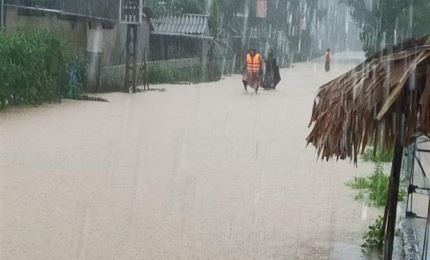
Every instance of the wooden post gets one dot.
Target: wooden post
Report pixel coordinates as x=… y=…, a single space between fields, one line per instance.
x=204 y=60
x=391 y=207
x=130 y=58
x=134 y=74
x=127 y=61
x=145 y=72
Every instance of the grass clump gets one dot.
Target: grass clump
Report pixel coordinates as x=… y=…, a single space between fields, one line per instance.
x=161 y=74
x=372 y=155
x=374 y=187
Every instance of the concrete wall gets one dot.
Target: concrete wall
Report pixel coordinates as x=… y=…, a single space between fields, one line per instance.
x=80 y=35
x=102 y=47
x=74 y=32
x=112 y=77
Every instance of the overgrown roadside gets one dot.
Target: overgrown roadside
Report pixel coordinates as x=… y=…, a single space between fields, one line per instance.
x=372 y=189
x=38 y=67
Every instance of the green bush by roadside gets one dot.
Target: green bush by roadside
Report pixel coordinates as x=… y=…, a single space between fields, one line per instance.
x=160 y=74
x=37 y=67
x=374 y=187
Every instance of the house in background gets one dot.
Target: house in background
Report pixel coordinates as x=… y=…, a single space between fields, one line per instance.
x=170 y=43
x=90 y=27
x=184 y=36
x=179 y=36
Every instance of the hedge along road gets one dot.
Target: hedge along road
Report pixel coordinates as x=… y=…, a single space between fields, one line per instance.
x=197 y=172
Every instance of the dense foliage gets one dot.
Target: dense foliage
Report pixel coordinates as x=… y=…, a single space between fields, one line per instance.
x=387 y=22
x=36 y=67
x=374 y=188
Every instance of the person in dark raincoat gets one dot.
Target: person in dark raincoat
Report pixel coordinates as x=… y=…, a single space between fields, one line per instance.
x=245 y=73
x=272 y=77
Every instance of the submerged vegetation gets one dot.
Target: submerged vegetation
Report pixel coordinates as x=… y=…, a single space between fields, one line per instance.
x=373 y=239
x=374 y=187
x=37 y=67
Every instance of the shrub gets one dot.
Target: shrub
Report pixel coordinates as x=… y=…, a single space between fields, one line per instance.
x=375 y=186
x=377 y=156
x=160 y=74
x=373 y=239
x=34 y=69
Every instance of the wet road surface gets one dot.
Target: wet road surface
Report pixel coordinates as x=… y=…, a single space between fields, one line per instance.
x=196 y=172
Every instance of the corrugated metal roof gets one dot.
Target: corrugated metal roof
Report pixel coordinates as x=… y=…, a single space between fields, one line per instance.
x=96 y=9
x=193 y=25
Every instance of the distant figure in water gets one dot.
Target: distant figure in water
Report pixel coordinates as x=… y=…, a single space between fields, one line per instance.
x=328 y=60
x=244 y=73
x=252 y=70
x=272 y=77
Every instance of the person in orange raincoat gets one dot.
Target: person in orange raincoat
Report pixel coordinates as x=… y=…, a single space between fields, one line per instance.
x=253 y=69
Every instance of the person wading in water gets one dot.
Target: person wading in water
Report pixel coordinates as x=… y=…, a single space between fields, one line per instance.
x=272 y=75
x=253 y=68
x=244 y=73
x=328 y=60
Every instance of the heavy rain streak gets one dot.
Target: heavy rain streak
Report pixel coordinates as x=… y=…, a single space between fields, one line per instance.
x=214 y=129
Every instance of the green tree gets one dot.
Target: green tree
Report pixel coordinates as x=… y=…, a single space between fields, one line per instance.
x=387 y=22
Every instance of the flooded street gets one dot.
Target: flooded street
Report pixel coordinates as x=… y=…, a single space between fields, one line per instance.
x=201 y=171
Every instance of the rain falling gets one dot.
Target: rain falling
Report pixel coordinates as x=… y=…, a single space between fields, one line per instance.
x=214 y=129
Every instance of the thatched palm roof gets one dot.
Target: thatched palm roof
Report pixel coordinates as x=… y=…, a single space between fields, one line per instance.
x=387 y=95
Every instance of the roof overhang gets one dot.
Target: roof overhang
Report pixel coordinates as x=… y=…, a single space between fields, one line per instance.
x=60 y=13
x=194 y=36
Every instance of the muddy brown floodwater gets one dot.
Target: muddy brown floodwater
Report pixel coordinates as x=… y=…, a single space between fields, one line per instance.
x=196 y=172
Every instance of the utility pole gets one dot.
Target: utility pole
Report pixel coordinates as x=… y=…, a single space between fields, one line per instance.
x=131 y=14
x=131 y=58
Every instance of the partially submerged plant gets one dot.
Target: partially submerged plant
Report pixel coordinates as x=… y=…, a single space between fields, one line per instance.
x=374 y=185
x=373 y=239
x=373 y=189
